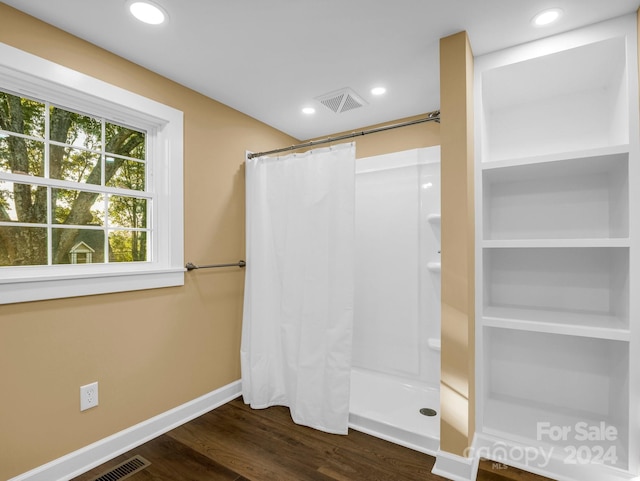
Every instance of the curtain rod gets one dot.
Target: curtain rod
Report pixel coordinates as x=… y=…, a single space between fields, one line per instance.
x=431 y=117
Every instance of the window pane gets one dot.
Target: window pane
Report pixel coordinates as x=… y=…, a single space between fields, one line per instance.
x=78 y=246
x=127 y=212
x=21 y=156
x=124 y=141
x=76 y=207
x=75 y=165
x=23 y=246
x=130 y=174
x=75 y=129
x=127 y=246
x=23 y=203
x=21 y=115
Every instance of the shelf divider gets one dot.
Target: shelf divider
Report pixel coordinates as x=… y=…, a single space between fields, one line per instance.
x=557 y=322
x=552 y=243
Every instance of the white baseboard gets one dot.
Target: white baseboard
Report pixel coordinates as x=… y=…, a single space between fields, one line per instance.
x=455 y=468
x=84 y=459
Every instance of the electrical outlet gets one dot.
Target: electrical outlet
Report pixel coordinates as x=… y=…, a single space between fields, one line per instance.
x=88 y=396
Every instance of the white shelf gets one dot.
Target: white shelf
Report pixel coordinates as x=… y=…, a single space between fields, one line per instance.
x=612 y=150
x=578 y=376
x=536 y=377
x=550 y=243
x=570 y=100
x=506 y=412
x=589 y=280
x=586 y=197
x=557 y=322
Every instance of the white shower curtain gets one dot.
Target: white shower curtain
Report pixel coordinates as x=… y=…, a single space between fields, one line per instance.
x=298 y=305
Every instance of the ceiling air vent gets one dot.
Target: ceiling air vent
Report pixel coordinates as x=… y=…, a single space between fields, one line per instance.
x=341 y=100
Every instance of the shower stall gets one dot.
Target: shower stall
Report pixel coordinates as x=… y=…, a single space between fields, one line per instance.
x=396 y=333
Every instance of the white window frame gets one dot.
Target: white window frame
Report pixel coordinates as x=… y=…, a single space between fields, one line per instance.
x=35 y=77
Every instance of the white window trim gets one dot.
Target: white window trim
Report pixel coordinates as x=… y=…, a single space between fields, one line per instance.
x=36 y=77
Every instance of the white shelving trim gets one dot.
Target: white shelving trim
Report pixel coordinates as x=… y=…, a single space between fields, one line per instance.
x=556 y=157
x=551 y=243
x=598 y=326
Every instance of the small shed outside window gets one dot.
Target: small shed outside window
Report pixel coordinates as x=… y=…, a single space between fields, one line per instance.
x=81 y=253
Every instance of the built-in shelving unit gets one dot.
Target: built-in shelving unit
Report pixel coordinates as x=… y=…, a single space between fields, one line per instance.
x=557 y=327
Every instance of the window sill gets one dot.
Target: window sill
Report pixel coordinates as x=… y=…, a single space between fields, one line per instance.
x=38 y=288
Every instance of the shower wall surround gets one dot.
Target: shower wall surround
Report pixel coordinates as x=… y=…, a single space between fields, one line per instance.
x=397 y=265
x=558 y=238
x=396 y=324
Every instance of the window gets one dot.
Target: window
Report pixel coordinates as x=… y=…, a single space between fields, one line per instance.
x=78 y=186
x=90 y=185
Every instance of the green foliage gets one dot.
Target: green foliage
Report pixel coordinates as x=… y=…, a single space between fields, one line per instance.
x=75 y=155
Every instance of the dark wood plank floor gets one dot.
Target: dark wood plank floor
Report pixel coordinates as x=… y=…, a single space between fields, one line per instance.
x=236 y=443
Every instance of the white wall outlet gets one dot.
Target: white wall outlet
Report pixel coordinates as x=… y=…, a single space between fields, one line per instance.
x=88 y=396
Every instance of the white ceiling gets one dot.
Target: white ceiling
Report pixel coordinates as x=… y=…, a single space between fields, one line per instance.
x=269 y=58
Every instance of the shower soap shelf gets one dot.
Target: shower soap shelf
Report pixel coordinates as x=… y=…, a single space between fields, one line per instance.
x=434 y=266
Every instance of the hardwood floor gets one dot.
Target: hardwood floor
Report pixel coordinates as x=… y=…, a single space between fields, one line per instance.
x=490 y=471
x=237 y=443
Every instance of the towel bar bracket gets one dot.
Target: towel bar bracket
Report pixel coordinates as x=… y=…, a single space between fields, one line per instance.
x=191 y=266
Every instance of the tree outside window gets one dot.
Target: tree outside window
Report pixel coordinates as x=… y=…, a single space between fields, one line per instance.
x=69 y=179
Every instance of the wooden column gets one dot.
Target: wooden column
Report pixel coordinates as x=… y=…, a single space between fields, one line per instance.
x=458 y=259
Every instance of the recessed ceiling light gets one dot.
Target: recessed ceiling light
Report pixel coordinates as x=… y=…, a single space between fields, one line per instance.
x=308 y=110
x=546 y=17
x=148 y=12
x=378 y=90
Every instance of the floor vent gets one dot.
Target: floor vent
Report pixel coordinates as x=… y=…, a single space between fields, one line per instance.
x=124 y=470
x=341 y=100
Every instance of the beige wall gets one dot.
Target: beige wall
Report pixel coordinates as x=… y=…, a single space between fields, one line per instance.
x=457 y=388
x=149 y=350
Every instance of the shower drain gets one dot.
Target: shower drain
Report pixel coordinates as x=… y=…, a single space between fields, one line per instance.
x=428 y=412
